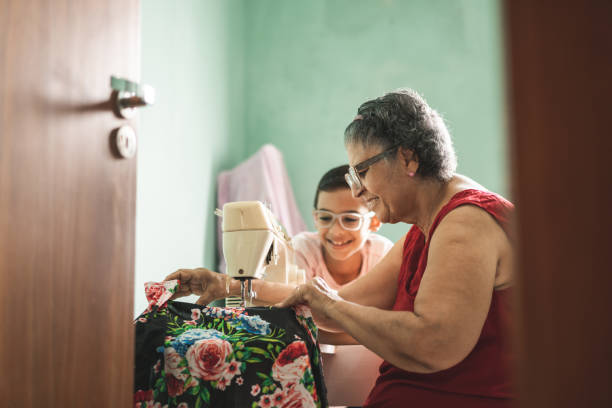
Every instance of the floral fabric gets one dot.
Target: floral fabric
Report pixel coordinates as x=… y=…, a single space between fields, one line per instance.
x=192 y=356
x=158 y=293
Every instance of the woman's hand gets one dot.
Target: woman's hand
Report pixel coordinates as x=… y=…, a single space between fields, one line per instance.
x=200 y=281
x=319 y=297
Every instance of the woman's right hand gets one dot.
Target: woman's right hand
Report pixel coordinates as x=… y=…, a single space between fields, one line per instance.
x=207 y=284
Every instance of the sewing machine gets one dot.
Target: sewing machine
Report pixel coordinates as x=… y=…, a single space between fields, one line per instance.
x=256 y=246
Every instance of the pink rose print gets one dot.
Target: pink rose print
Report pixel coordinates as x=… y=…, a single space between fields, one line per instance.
x=142 y=319
x=158 y=293
x=255 y=389
x=291 y=352
x=291 y=364
x=175 y=377
x=298 y=397
x=195 y=314
x=141 y=396
x=239 y=381
x=175 y=386
x=183 y=405
x=157 y=366
x=291 y=373
x=191 y=322
x=206 y=358
x=265 y=401
x=172 y=360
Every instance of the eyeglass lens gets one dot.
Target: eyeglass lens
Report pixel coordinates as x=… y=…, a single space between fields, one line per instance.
x=348 y=221
x=352 y=179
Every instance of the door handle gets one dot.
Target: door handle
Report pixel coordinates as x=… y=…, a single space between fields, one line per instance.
x=131 y=95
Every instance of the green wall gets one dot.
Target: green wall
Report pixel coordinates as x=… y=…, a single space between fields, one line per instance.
x=232 y=75
x=191 y=133
x=310 y=64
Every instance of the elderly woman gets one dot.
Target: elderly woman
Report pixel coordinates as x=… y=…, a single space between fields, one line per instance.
x=437 y=307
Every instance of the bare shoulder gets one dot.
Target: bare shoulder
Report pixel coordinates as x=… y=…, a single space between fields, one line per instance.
x=477 y=233
x=468 y=218
x=461 y=182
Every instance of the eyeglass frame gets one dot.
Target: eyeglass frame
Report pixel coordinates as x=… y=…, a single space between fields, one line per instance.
x=352 y=177
x=362 y=217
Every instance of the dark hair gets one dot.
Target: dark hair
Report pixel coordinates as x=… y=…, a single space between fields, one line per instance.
x=332 y=180
x=403 y=117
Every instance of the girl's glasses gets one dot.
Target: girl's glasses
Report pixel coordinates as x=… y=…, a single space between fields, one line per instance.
x=350 y=221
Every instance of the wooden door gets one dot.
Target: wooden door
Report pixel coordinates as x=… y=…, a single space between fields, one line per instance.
x=560 y=68
x=66 y=204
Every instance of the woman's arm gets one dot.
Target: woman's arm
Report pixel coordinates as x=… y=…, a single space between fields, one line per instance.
x=337 y=339
x=266 y=293
x=450 y=308
x=212 y=285
x=378 y=286
x=374 y=288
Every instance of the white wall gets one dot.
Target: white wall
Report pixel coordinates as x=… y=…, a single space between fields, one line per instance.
x=187 y=136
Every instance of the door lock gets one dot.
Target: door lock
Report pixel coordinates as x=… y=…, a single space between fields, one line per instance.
x=130 y=95
x=125 y=141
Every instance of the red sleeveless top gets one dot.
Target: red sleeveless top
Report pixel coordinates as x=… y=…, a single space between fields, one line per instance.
x=482 y=379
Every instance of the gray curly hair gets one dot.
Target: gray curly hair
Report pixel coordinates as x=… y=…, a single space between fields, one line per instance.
x=403 y=117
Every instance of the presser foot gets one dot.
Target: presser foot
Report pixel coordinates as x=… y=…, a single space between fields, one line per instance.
x=246 y=292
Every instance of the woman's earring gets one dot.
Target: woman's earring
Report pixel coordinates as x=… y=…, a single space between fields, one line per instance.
x=411 y=174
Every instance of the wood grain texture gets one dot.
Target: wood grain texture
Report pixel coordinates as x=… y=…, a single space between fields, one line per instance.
x=559 y=64
x=66 y=205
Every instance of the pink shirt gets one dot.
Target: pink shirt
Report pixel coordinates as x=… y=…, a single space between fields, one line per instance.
x=309 y=255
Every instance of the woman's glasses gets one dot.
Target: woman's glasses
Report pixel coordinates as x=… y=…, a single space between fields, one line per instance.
x=352 y=177
x=350 y=221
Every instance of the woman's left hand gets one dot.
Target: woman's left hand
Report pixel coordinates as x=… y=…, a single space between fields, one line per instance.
x=319 y=297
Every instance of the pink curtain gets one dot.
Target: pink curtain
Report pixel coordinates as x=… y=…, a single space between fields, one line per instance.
x=261 y=177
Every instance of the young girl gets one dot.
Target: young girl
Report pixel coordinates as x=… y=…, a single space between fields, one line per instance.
x=343 y=248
